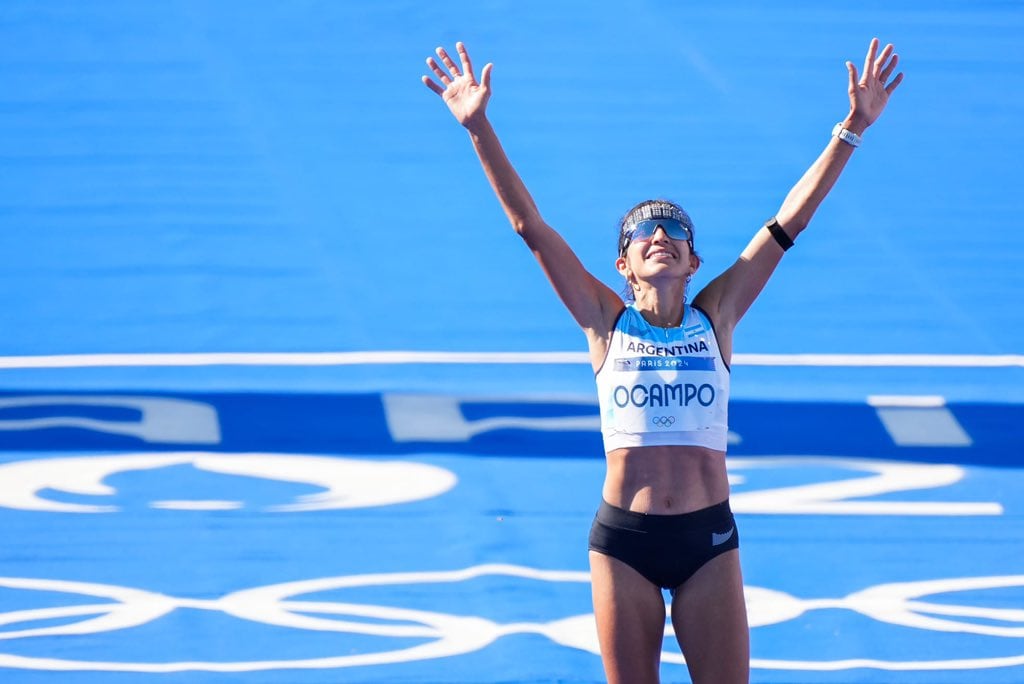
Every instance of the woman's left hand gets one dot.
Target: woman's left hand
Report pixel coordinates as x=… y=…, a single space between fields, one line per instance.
x=869 y=93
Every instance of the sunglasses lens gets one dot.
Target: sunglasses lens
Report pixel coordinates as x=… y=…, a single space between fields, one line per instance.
x=674 y=229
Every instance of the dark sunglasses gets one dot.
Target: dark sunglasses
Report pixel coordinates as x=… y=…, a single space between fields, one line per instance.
x=644 y=230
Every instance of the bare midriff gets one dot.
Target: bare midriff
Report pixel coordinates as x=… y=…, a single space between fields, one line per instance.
x=665 y=480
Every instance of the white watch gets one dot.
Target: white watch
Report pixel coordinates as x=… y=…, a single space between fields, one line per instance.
x=847 y=136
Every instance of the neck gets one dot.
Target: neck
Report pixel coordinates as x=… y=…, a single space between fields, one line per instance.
x=663 y=308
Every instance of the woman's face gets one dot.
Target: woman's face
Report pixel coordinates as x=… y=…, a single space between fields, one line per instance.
x=658 y=256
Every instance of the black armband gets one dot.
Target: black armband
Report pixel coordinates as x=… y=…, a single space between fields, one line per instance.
x=785 y=242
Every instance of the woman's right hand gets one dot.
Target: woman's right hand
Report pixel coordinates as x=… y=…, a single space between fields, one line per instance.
x=459 y=89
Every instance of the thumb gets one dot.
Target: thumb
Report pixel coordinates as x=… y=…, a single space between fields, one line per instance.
x=485 y=75
x=852 y=68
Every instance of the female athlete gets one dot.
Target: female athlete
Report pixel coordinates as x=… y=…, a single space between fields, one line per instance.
x=662 y=368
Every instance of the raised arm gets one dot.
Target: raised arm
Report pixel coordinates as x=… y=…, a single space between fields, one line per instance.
x=730 y=295
x=591 y=303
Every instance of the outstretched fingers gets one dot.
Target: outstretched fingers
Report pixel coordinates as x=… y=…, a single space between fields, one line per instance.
x=886 y=72
x=447 y=61
x=457 y=85
x=879 y=66
x=436 y=68
x=485 y=76
x=446 y=77
x=887 y=69
x=429 y=82
x=869 y=61
x=895 y=82
x=880 y=63
x=467 y=65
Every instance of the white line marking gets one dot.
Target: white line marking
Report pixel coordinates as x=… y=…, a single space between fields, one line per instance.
x=210 y=505
x=849 y=495
x=160 y=419
x=527 y=358
x=927 y=426
x=906 y=401
x=439 y=418
x=883 y=360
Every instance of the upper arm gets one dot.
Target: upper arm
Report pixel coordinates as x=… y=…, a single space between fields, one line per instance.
x=592 y=304
x=728 y=297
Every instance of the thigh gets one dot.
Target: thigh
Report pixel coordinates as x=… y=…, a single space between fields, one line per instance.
x=630 y=613
x=709 y=615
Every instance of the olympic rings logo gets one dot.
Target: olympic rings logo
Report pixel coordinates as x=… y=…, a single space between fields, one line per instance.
x=447 y=635
x=663 y=421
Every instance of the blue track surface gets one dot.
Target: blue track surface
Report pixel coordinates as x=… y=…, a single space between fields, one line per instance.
x=196 y=178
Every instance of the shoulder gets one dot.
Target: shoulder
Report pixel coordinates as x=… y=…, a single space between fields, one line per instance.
x=698 y=312
x=599 y=339
x=721 y=327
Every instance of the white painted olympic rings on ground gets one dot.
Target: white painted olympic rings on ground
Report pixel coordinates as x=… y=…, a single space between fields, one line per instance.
x=449 y=635
x=355 y=483
x=346 y=482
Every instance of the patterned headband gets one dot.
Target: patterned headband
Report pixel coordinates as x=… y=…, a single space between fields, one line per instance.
x=659 y=210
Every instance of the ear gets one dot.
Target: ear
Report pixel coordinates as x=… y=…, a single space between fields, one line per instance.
x=694 y=263
x=622 y=268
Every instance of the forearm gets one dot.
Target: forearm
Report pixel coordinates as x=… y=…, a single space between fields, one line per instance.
x=515 y=199
x=812 y=188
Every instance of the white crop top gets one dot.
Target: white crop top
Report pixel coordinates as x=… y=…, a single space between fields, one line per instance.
x=664 y=386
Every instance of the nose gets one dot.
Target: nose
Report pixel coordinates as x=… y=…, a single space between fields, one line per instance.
x=659 y=235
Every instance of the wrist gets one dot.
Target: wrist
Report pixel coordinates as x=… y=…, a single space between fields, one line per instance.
x=477 y=124
x=846 y=135
x=855 y=124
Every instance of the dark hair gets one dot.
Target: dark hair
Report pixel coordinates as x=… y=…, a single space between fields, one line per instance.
x=665 y=207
